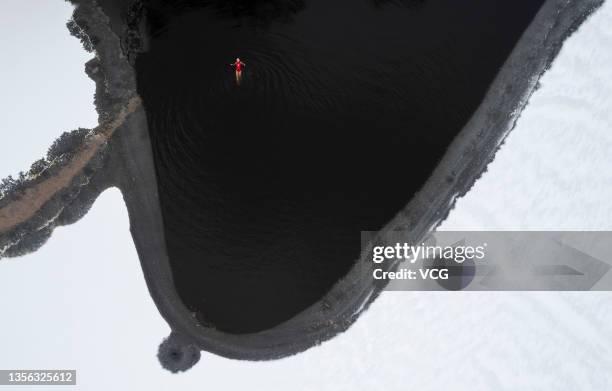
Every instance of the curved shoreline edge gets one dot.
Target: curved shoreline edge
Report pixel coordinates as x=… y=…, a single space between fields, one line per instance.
x=123 y=158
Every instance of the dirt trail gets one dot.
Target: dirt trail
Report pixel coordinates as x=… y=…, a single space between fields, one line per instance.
x=35 y=197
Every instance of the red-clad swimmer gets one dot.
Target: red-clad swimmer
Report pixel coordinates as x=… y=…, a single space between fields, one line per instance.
x=238 y=66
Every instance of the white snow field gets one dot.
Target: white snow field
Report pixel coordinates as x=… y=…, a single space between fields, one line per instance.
x=45 y=90
x=82 y=303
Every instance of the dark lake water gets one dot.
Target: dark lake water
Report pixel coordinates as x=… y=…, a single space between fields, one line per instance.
x=344 y=109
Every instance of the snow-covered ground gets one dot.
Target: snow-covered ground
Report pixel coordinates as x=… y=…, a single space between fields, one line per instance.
x=66 y=306
x=44 y=89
